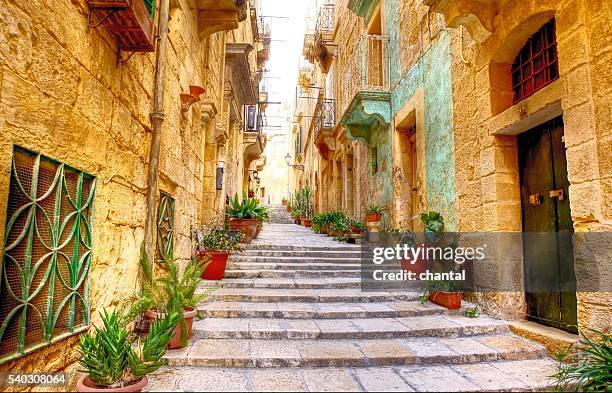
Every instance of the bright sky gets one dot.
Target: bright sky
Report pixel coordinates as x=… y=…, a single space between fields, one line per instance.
x=288 y=20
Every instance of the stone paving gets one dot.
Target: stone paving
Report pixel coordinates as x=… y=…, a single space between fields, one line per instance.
x=290 y=316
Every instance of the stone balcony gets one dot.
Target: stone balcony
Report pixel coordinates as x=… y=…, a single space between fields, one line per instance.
x=369 y=111
x=220 y=15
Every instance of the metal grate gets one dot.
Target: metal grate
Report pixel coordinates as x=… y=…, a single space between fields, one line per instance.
x=44 y=284
x=324 y=116
x=165 y=227
x=536 y=65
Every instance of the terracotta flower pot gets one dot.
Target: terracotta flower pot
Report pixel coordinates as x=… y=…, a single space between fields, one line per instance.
x=307 y=223
x=84 y=384
x=450 y=300
x=418 y=267
x=373 y=217
x=248 y=227
x=259 y=227
x=188 y=315
x=355 y=229
x=216 y=270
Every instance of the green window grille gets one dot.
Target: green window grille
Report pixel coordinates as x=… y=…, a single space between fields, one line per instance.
x=44 y=285
x=150 y=4
x=165 y=227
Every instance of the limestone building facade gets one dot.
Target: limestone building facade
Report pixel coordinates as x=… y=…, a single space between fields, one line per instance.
x=78 y=93
x=442 y=105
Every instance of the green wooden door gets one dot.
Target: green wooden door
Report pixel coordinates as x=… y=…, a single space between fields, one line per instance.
x=549 y=257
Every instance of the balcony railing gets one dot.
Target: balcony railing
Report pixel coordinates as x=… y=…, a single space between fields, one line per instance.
x=324 y=116
x=325 y=22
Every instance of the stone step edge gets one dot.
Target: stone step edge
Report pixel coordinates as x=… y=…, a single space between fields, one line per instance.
x=246 y=353
x=502 y=375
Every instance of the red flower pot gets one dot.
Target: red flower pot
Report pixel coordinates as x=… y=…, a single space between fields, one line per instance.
x=373 y=217
x=355 y=229
x=84 y=384
x=248 y=227
x=450 y=300
x=216 y=269
x=188 y=315
x=307 y=223
x=417 y=267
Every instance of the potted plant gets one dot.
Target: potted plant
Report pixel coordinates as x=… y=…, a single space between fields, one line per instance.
x=443 y=293
x=214 y=246
x=246 y=216
x=357 y=226
x=173 y=291
x=306 y=207
x=374 y=213
x=115 y=359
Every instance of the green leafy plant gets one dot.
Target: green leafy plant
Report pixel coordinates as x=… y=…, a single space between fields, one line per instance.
x=438 y=286
x=114 y=357
x=590 y=369
x=376 y=209
x=304 y=204
x=248 y=208
x=432 y=221
x=172 y=292
x=216 y=238
x=357 y=224
x=472 y=312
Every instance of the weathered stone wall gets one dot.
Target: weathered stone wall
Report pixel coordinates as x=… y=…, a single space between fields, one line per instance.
x=63 y=94
x=487 y=179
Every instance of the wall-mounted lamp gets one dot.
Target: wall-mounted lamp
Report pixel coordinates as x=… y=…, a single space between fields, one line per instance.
x=295 y=166
x=219 y=178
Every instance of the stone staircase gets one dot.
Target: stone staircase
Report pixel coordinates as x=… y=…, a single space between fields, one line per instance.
x=290 y=316
x=279 y=215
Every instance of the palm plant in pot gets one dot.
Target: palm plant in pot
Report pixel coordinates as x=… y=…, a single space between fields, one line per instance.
x=213 y=246
x=173 y=291
x=444 y=293
x=306 y=207
x=246 y=216
x=115 y=359
x=356 y=226
x=374 y=213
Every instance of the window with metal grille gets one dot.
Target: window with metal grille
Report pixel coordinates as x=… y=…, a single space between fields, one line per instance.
x=46 y=260
x=165 y=227
x=536 y=65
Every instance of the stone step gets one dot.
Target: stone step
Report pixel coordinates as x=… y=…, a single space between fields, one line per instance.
x=260 y=295
x=311 y=253
x=218 y=309
x=259 y=273
x=292 y=259
x=516 y=375
x=353 y=353
x=289 y=247
x=233 y=265
x=355 y=329
x=286 y=283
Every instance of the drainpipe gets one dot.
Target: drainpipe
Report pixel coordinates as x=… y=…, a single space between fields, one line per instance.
x=157 y=118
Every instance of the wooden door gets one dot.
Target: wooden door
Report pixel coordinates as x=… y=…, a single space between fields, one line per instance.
x=548 y=259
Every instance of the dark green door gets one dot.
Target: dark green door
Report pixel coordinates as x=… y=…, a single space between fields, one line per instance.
x=550 y=280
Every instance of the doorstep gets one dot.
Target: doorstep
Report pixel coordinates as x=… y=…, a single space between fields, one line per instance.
x=555 y=340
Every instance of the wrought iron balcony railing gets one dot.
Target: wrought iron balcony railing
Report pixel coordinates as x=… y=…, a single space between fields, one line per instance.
x=324 y=116
x=325 y=22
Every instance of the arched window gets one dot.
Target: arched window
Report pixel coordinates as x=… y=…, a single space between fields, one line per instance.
x=536 y=65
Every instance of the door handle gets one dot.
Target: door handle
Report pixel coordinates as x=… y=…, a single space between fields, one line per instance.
x=559 y=194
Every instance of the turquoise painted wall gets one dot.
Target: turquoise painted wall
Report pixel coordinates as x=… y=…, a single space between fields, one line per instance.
x=433 y=74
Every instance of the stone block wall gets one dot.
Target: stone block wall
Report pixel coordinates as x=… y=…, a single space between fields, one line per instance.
x=63 y=94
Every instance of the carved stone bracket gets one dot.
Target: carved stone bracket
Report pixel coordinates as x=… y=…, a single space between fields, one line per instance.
x=475 y=15
x=368 y=113
x=220 y=15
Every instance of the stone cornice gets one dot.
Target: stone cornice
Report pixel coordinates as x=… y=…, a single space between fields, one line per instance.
x=220 y=15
